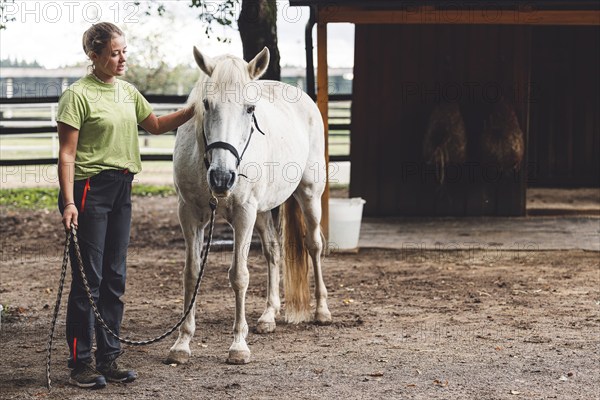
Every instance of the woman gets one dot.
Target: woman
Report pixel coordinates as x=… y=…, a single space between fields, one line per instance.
x=99 y=154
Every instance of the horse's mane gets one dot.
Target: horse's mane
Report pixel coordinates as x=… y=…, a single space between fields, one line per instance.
x=229 y=70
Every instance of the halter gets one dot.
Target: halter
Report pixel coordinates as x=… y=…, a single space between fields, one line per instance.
x=227 y=146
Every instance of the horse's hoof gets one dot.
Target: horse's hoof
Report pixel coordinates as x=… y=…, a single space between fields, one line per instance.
x=323 y=318
x=178 y=357
x=265 y=327
x=238 y=357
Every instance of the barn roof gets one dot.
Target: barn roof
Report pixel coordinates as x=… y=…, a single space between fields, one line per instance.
x=481 y=4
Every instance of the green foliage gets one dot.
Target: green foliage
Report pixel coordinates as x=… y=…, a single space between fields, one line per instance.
x=35 y=198
x=212 y=12
x=3 y=18
x=8 y=63
x=149 y=72
x=152 y=190
x=160 y=7
x=44 y=198
x=222 y=13
x=162 y=80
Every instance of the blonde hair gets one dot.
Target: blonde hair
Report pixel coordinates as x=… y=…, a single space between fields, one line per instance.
x=98 y=36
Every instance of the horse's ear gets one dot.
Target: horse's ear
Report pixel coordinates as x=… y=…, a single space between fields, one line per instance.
x=258 y=66
x=205 y=63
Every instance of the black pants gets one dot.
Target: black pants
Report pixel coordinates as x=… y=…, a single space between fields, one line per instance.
x=104 y=204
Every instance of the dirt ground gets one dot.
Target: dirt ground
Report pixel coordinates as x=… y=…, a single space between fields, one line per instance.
x=407 y=324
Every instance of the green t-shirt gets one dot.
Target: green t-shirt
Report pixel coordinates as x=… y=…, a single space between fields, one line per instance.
x=107 y=116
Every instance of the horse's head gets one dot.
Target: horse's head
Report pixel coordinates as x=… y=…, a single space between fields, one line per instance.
x=228 y=99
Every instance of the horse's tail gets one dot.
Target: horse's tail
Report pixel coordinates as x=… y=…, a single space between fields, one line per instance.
x=296 y=262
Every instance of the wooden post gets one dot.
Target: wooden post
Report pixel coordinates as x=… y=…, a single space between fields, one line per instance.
x=323 y=104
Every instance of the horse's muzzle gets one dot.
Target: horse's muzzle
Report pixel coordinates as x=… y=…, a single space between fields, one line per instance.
x=220 y=181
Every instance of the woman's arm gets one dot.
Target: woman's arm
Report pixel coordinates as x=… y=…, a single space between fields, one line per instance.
x=67 y=137
x=166 y=123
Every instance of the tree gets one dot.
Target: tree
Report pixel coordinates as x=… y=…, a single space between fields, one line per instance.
x=4 y=19
x=148 y=71
x=10 y=63
x=257 y=23
x=258 y=28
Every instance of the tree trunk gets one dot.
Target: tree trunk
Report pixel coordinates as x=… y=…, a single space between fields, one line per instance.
x=258 y=28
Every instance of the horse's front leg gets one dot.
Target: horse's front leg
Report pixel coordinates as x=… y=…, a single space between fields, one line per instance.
x=243 y=219
x=193 y=232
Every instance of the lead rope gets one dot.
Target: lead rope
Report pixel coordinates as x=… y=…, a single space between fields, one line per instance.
x=57 y=306
x=213 y=206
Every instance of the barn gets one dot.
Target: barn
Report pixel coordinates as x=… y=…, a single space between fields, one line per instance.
x=459 y=107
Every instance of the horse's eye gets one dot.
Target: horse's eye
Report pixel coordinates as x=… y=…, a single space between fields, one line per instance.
x=205 y=102
x=250 y=109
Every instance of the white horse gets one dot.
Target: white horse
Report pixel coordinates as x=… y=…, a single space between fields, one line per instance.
x=255 y=145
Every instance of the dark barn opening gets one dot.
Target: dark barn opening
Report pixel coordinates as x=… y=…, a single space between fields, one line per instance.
x=547 y=75
x=458 y=109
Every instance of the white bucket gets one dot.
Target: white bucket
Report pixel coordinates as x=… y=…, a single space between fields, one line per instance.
x=345 y=216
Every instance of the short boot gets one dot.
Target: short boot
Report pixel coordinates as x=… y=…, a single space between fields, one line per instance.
x=114 y=373
x=86 y=376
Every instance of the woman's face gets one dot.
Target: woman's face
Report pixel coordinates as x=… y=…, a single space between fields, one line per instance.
x=111 y=62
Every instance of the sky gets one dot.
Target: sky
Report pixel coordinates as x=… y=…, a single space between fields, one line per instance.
x=50 y=32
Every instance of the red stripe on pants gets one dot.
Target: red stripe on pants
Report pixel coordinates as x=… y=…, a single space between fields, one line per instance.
x=85 y=191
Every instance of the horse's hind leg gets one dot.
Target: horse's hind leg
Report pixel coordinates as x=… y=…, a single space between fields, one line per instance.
x=242 y=220
x=271 y=251
x=309 y=197
x=193 y=232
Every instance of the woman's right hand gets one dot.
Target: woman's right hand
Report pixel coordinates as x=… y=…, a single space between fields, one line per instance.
x=70 y=215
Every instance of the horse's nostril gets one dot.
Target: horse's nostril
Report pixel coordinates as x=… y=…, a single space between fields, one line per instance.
x=213 y=179
x=221 y=181
x=231 y=180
